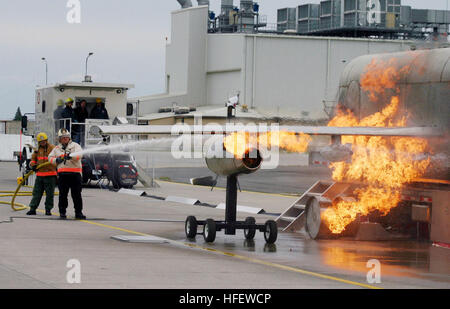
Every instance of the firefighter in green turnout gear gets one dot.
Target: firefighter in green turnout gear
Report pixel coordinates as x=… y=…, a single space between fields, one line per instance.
x=45 y=176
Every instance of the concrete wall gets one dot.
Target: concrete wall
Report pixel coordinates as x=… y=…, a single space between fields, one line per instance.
x=185 y=62
x=277 y=75
x=197 y=56
x=11 y=143
x=14 y=127
x=225 y=67
x=177 y=54
x=292 y=76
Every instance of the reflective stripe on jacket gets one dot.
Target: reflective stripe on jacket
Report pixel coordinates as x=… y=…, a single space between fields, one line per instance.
x=70 y=166
x=39 y=157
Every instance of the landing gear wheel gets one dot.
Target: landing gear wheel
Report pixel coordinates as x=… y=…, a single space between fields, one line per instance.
x=270 y=232
x=115 y=184
x=209 y=230
x=190 y=227
x=250 y=233
x=314 y=225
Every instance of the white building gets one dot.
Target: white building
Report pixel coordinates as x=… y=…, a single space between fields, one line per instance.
x=275 y=75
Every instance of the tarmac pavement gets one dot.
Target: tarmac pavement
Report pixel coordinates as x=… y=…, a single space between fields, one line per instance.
x=35 y=251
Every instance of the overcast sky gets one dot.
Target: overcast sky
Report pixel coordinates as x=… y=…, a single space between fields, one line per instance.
x=127 y=37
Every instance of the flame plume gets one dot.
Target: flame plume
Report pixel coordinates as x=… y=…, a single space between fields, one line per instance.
x=239 y=143
x=384 y=164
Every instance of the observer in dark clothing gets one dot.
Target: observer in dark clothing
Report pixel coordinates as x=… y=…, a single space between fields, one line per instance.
x=99 y=111
x=81 y=114
x=68 y=113
x=57 y=114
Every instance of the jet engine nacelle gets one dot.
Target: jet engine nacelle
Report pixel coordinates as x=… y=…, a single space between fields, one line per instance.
x=226 y=164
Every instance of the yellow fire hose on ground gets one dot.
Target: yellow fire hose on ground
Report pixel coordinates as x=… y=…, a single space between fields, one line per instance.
x=14 y=194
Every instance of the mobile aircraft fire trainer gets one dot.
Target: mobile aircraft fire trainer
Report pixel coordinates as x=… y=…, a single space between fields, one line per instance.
x=232 y=167
x=423 y=89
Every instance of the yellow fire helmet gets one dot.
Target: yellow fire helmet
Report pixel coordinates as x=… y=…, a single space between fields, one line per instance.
x=60 y=103
x=41 y=137
x=69 y=100
x=98 y=100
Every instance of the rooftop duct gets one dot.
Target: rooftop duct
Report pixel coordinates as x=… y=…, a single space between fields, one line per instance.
x=247 y=5
x=185 y=3
x=226 y=6
x=247 y=17
x=225 y=18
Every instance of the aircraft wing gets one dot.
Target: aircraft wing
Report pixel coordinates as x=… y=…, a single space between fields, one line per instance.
x=312 y=130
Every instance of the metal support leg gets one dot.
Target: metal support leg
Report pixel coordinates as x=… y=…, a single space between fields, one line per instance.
x=336 y=139
x=231 y=202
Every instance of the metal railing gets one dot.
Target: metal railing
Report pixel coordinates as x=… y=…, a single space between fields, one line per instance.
x=278 y=27
x=80 y=131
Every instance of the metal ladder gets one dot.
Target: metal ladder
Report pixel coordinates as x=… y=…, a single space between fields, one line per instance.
x=293 y=218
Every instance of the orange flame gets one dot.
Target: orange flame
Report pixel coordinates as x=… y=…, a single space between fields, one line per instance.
x=238 y=143
x=380 y=77
x=385 y=164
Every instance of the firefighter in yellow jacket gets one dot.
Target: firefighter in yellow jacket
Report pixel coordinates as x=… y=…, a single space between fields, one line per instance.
x=67 y=158
x=45 y=176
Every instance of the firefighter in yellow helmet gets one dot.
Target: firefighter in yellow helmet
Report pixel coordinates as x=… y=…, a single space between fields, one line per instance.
x=57 y=114
x=68 y=114
x=45 y=176
x=99 y=111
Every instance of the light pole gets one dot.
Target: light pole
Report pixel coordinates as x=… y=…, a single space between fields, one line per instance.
x=46 y=70
x=86 y=78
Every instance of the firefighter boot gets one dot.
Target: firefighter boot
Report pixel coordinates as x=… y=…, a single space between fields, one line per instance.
x=32 y=212
x=80 y=216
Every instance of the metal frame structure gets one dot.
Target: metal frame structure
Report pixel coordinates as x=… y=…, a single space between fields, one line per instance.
x=230 y=225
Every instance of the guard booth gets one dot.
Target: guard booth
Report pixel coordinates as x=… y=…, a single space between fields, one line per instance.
x=113 y=97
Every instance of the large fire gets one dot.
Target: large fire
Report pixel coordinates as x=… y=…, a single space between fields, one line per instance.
x=382 y=164
x=381 y=77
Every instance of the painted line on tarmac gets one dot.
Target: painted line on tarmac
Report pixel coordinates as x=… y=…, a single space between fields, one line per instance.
x=244 y=258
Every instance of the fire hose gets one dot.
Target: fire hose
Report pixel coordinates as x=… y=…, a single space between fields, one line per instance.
x=18 y=206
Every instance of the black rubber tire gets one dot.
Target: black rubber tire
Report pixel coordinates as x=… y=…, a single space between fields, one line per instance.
x=190 y=227
x=209 y=230
x=85 y=180
x=115 y=183
x=271 y=232
x=250 y=233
